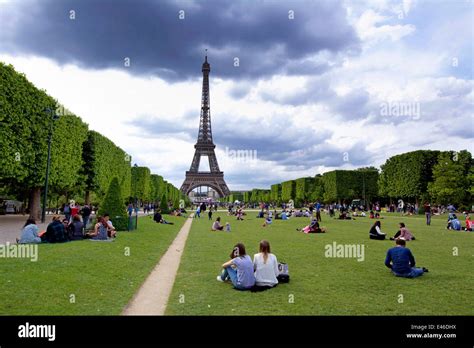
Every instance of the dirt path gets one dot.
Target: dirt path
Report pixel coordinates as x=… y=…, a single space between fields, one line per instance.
x=152 y=297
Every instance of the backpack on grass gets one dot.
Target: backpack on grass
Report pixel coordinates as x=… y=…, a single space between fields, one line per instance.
x=284 y=276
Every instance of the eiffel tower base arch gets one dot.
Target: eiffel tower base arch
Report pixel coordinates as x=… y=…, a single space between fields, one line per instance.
x=213 y=180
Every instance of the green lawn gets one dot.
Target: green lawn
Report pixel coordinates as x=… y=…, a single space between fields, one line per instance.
x=328 y=286
x=100 y=276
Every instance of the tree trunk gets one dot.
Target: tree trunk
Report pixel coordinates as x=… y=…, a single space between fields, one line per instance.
x=88 y=197
x=34 y=203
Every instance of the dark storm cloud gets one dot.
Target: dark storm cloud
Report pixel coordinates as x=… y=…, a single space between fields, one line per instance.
x=280 y=140
x=150 y=33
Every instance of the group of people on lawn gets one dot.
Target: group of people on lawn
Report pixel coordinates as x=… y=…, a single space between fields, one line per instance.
x=64 y=230
x=399 y=258
x=263 y=271
x=245 y=274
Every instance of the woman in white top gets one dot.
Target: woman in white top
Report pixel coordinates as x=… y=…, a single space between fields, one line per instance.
x=265 y=265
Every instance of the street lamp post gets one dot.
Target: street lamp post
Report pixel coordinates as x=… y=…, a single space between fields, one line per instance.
x=54 y=117
x=136 y=203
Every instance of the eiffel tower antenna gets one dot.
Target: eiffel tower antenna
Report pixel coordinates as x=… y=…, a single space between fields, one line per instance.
x=205 y=147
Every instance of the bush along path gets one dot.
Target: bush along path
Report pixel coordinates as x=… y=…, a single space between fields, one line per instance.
x=152 y=297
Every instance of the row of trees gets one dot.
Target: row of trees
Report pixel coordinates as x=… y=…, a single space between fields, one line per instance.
x=438 y=176
x=147 y=187
x=84 y=163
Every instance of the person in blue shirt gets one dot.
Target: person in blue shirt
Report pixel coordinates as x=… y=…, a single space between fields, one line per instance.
x=318 y=211
x=198 y=212
x=239 y=270
x=453 y=222
x=29 y=233
x=401 y=261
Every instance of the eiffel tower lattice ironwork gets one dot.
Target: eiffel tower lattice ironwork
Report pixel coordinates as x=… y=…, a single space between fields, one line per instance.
x=205 y=147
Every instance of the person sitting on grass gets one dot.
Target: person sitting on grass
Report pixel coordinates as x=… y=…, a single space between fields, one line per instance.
x=66 y=225
x=55 y=232
x=29 y=233
x=375 y=232
x=453 y=223
x=260 y=214
x=239 y=269
x=76 y=228
x=371 y=215
x=158 y=218
x=403 y=233
x=216 y=226
x=277 y=215
x=100 y=230
x=110 y=227
x=268 y=220
x=284 y=215
x=239 y=214
x=265 y=265
x=401 y=261
x=469 y=224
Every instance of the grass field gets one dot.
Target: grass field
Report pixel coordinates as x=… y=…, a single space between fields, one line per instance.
x=328 y=286
x=99 y=275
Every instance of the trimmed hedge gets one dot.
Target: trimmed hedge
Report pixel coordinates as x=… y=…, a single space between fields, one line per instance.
x=275 y=195
x=140 y=183
x=288 y=190
x=103 y=161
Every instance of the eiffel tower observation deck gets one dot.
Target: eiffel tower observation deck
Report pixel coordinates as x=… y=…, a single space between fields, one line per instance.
x=205 y=146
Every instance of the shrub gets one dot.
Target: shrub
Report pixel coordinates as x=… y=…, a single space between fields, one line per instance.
x=113 y=205
x=164 y=205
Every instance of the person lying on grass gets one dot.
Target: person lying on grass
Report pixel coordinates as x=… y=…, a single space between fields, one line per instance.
x=313 y=227
x=158 y=218
x=403 y=233
x=265 y=265
x=376 y=232
x=239 y=269
x=216 y=226
x=401 y=261
x=344 y=216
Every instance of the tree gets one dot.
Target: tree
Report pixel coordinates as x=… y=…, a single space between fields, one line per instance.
x=350 y=184
x=275 y=195
x=303 y=189
x=318 y=189
x=407 y=175
x=156 y=187
x=247 y=197
x=103 y=160
x=113 y=204
x=164 y=205
x=288 y=189
x=140 y=185
x=24 y=133
x=449 y=180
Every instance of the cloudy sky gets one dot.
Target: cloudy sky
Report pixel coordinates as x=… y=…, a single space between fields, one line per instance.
x=304 y=86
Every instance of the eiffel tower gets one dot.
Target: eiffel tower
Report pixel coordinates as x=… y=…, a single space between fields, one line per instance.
x=205 y=147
